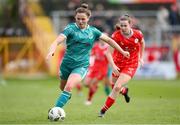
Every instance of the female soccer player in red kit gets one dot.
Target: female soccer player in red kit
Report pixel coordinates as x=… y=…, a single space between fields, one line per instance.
x=130 y=40
x=98 y=69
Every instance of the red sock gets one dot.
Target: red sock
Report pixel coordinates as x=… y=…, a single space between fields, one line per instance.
x=109 y=102
x=92 y=91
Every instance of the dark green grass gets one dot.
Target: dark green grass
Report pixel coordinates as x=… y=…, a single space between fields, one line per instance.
x=152 y=102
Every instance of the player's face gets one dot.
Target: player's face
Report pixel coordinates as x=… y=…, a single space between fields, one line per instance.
x=81 y=20
x=125 y=26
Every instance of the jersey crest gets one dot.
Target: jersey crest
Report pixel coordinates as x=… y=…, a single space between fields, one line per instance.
x=136 y=40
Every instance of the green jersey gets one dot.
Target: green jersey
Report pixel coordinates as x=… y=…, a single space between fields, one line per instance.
x=79 y=43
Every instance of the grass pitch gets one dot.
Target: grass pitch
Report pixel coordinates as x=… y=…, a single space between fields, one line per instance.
x=28 y=101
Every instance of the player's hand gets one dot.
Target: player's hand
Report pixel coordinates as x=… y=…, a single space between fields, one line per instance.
x=126 y=54
x=52 y=50
x=141 y=62
x=49 y=55
x=115 y=70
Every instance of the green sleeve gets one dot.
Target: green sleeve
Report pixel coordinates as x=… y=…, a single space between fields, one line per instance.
x=67 y=30
x=97 y=33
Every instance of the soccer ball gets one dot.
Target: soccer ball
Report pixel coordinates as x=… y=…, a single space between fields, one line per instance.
x=56 y=113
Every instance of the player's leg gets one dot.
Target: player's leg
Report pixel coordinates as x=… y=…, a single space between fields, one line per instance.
x=108 y=81
x=99 y=75
x=124 y=91
x=75 y=77
x=88 y=80
x=79 y=88
x=122 y=79
x=62 y=84
x=64 y=74
x=93 y=86
x=107 y=86
x=66 y=93
x=114 y=79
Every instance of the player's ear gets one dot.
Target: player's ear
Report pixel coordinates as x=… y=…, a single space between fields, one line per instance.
x=88 y=17
x=75 y=17
x=131 y=24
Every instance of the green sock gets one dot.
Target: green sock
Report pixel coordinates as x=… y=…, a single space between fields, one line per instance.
x=63 y=99
x=107 y=90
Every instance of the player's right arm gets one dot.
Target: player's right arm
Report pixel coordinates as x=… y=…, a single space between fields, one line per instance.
x=61 y=38
x=112 y=43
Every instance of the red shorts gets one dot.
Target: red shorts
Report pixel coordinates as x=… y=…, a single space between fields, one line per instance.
x=127 y=70
x=98 y=73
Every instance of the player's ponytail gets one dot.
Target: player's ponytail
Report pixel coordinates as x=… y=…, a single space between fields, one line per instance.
x=84 y=5
x=84 y=8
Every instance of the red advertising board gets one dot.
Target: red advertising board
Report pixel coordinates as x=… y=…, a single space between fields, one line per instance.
x=141 y=1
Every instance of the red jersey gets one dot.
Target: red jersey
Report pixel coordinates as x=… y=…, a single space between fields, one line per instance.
x=99 y=67
x=99 y=53
x=130 y=44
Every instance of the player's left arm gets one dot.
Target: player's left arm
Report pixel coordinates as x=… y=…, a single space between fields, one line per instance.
x=141 y=53
x=112 y=43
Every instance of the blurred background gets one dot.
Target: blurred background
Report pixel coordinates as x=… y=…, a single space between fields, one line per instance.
x=28 y=27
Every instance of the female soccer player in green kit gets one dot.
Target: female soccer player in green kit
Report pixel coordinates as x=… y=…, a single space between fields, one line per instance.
x=79 y=37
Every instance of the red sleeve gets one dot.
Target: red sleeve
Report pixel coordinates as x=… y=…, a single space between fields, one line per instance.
x=140 y=35
x=114 y=36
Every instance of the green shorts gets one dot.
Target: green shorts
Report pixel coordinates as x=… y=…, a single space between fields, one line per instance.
x=66 y=70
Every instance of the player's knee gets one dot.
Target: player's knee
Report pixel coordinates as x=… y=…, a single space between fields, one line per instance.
x=117 y=89
x=68 y=88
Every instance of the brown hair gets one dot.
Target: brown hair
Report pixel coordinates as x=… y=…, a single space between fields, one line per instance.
x=123 y=18
x=117 y=26
x=84 y=9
